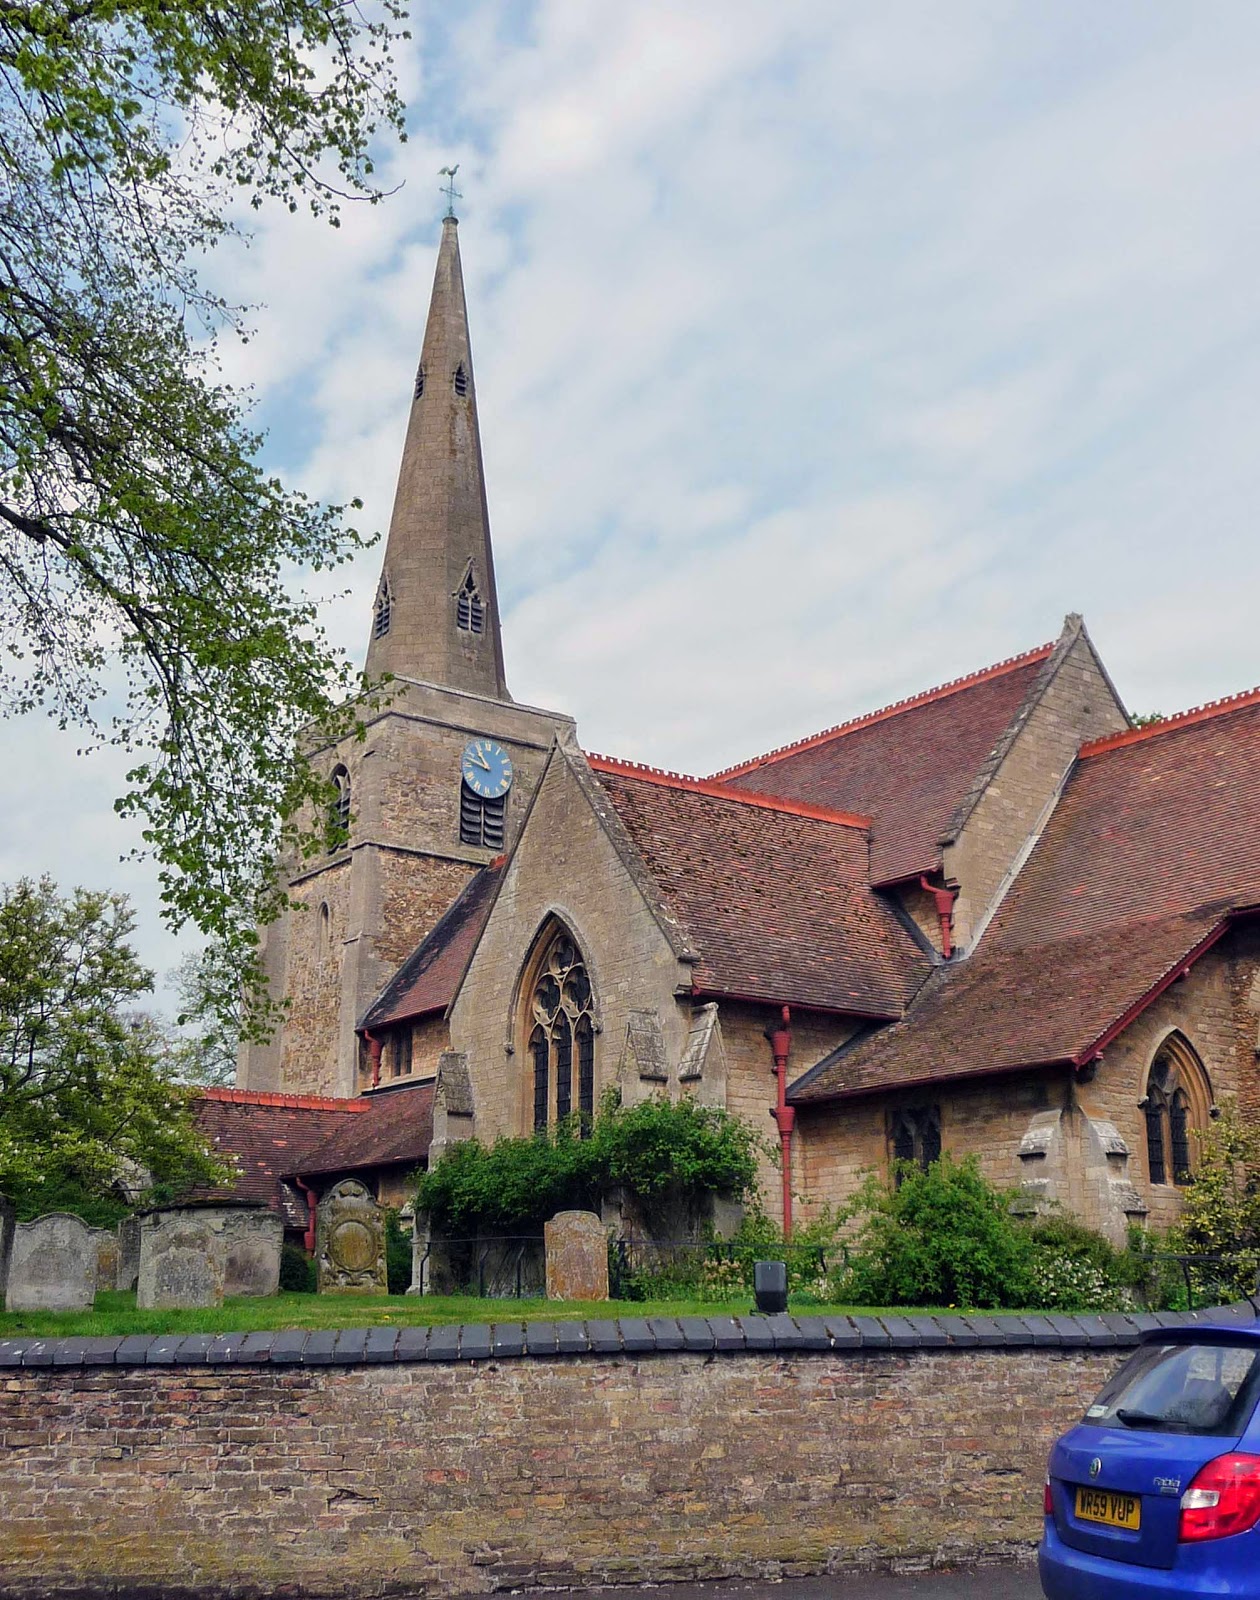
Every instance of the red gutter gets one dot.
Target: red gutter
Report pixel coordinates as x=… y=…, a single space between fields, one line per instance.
x=308 y=1238
x=944 y=898
x=784 y=1114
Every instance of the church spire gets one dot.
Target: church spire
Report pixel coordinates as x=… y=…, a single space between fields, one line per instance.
x=437 y=615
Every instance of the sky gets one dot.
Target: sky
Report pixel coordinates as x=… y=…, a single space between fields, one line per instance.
x=824 y=353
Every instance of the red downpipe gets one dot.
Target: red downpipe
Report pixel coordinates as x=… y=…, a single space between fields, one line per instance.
x=784 y=1114
x=308 y=1238
x=374 y=1055
x=944 y=898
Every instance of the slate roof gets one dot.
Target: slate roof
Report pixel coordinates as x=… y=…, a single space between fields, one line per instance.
x=1154 y=845
x=773 y=895
x=908 y=766
x=275 y=1137
x=427 y=980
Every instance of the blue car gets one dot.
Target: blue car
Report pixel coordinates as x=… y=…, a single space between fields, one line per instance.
x=1157 y=1492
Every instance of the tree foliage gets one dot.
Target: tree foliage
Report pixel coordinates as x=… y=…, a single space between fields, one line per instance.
x=145 y=558
x=85 y=1112
x=202 y=1046
x=1221 y=1215
x=654 y=1149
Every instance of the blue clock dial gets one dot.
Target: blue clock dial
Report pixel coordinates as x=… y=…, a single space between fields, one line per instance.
x=486 y=769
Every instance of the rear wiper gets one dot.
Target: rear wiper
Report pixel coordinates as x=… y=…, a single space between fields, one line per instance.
x=1138 y=1419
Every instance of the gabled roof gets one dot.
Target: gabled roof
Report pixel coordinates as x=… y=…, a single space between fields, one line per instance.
x=1154 y=847
x=773 y=895
x=908 y=766
x=427 y=980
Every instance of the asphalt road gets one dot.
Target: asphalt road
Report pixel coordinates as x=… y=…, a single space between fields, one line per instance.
x=977 y=1583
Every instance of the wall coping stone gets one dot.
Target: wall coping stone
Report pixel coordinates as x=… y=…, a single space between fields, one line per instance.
x=632 y=1336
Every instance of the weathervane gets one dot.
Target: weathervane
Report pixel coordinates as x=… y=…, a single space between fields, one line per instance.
x=448 y=188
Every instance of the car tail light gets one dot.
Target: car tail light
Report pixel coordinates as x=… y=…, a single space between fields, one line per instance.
x=1223 y=1498
x=1049 y=1500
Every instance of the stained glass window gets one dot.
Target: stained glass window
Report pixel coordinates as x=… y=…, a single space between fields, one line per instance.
x=1178 y=1102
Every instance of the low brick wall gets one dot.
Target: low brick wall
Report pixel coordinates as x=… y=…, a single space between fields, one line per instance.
x=464 y=1461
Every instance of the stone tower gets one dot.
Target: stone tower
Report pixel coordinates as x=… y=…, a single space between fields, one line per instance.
x=440 y=784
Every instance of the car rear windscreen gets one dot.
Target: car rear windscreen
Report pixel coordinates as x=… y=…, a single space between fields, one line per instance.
x=1182 y=1388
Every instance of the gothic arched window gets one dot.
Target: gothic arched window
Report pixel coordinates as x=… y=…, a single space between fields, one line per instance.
x=562 y=1036
x=339 y=806
x=914 y=1135
x=470 y=610
x=1176 y=1106
x=383 y=611
x=461 y=380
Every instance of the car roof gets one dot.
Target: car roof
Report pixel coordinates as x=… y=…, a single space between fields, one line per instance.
x=1222 y=1332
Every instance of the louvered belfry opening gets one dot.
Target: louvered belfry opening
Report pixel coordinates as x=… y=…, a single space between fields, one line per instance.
x=481 y=821
x=384 y=610
x=470 y=610
x=562 y=1037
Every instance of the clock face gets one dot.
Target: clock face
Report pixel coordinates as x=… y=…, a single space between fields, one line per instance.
x=486 y=769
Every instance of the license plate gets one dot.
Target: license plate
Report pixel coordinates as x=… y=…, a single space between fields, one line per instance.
x=1116 y=1510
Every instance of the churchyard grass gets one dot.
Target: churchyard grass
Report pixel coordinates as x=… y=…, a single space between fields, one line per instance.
x=116 y=1313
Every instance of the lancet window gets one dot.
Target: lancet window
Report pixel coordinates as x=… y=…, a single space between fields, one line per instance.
x=461 y=380
x=1176 y=1106
x=562 y=1037
x=470 y=610
x=419 y=380
x=914 y=1135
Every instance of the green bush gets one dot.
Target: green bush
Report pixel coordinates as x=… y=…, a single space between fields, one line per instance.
x=663 y=1153
x=1076 y=1269
x=1222 y=1208
x=297 y=1270
x=944 y=1236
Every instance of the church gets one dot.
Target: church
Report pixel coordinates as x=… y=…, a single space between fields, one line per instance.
x=994 y=918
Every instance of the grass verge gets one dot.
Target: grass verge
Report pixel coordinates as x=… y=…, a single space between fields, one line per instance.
x=117 y=1313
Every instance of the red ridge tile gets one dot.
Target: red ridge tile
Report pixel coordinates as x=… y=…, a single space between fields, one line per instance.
x=719 y=791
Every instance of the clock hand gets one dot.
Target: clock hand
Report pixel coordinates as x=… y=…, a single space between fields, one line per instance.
x=481 y=760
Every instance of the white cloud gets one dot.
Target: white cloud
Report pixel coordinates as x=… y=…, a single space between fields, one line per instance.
x=823 y=353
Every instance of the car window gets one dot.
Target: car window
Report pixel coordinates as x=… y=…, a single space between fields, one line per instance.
x=1182 y=1388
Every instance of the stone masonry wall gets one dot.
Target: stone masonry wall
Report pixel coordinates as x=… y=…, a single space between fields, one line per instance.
x=656 y=1451
x=1078 y=705
x=566 y=866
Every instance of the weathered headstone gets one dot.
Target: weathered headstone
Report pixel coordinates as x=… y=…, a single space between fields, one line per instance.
x=128 y=1253
x=52 y=1265
x=252 y=1239
x=350 y=1241
x=106 y=1258
x=577 y=1256
x=6 y=1241
x=182 y=1260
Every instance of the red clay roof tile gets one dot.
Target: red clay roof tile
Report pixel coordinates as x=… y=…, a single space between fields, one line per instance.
x=908 y=767
x=427 y=980
x=774 y=898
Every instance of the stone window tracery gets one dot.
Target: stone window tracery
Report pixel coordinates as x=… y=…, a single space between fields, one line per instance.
x=1177 y=1104
x=562 y=1036
x=914 y=1135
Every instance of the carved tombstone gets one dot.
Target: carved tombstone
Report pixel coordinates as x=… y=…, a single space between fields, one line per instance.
x=6 y=1241
x=252 y=1240
x=52 y=1265
x=181 y=1260
x=350 y=1241
x=577 y=1256
x=128 y=1253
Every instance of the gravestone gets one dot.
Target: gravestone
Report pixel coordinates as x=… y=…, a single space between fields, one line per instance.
x=252 y=1239
x=6 y=1241
x=576 y=1243
x=182 y=1259
x=350 y=1241
x=52 y=1265
x=128 y=1253
x=106 y=1258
